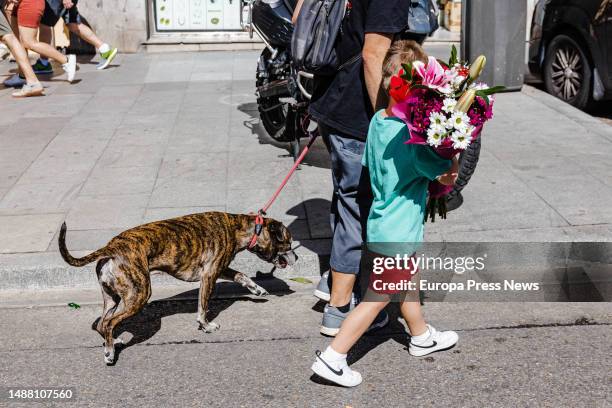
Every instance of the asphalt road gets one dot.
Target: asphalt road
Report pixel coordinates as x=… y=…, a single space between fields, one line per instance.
x=509 y=354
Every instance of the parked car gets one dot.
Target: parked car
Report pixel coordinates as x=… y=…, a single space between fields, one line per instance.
x=571 y=49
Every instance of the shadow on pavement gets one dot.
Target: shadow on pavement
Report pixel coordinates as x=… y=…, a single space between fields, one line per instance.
x=393 y=331
x=147 y=323
x=317 y=212
x=316 y=157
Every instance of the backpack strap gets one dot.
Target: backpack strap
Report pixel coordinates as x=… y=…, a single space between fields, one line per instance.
x=350 y=61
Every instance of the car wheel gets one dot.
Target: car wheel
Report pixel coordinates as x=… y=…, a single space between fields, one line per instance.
x=567 y=72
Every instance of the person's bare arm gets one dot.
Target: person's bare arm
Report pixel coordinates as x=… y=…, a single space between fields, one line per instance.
x=374 y=50
x=296 y=12
x=450 y=177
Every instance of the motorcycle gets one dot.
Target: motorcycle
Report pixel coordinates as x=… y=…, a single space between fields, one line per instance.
x=283 y=92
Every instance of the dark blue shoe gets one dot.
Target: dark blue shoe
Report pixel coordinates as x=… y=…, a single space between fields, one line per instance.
x=381 y=321
x=42 y=69
x=15 y=82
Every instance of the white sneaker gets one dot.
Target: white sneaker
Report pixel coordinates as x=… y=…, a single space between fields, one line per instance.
x=336 y=371
x=70 y=67
x=436 y=341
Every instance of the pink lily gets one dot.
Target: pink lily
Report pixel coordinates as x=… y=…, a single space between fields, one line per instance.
x=433 y=75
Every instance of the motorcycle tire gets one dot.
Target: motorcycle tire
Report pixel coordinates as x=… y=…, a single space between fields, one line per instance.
x=468 y=160
x=272 y=113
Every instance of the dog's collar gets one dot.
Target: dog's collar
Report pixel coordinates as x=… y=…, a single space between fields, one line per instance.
x=259 y=222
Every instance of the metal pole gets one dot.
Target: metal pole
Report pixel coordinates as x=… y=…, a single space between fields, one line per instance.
x=496 y=29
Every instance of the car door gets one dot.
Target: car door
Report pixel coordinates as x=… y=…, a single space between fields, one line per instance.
x=603 y=21
x=608 y=24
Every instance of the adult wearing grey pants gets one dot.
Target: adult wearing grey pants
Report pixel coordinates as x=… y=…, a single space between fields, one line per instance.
x=343 y=105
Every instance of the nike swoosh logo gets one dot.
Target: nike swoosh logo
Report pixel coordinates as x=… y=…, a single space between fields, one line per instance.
x=435 y=343
x=337 y=372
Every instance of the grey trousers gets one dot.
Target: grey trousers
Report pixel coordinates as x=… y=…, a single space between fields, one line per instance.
x=351 y=200
x=5 y=27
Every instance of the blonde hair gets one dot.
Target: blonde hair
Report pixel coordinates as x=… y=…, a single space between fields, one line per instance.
x=401 y=52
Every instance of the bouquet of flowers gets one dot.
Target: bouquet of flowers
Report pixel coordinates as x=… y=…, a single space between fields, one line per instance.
x=445 y=108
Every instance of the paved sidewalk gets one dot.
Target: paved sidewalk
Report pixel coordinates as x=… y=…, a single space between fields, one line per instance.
x=163 y=135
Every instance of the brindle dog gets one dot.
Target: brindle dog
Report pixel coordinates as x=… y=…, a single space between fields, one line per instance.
x=197 y=247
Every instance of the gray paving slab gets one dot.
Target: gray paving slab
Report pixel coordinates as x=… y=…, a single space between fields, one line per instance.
x=104 y=212
x=109 y=104
x=85 y=240
x=11 y=169
x=288 y=206
x=194 y=166
x=132 y=156
x=187 y=193
x=39 y=197
x=109 y=181
x=27 y=233
x=157 y=214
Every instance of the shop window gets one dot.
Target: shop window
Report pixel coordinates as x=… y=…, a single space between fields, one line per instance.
x=197 y=15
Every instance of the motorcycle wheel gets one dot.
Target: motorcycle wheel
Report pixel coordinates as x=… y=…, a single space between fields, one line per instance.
x=467 y=165
x=272 y=112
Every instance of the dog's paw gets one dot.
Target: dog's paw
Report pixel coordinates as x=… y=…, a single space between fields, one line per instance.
x=109 y=357
x=209 y=327
x=259 y=291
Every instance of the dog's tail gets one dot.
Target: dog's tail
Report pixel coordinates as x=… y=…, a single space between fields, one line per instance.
x=94 y=256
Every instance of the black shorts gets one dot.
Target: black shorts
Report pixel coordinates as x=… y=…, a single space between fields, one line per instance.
x=51 y=17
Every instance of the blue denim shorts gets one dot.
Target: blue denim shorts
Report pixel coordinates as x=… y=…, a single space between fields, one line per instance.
x=351 y=200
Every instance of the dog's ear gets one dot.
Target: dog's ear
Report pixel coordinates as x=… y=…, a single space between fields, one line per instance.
x=278 y=230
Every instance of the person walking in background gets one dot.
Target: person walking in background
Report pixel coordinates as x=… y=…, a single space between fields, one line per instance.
x=342 y=105
x=29 y=14
x=67 y=9
x=31 y=86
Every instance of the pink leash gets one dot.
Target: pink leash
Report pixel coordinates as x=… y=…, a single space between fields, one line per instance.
x=259 y=218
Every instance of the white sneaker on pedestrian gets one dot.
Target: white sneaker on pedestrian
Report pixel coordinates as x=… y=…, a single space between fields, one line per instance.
x=30 y=90
x=70 y=67
x=432 y=341
x=336 y=371
x=106 y=58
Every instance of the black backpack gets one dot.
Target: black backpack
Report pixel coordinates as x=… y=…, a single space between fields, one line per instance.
x=422 y=17
x=56 y=6
x=314 y=36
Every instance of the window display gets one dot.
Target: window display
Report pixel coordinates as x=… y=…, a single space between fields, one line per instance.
x=197 y=15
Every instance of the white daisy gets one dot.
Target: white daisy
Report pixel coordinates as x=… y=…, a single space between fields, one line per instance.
x=435 y=136
x=460 y=121
x=461 y=140
x=437 y=119
x=449 y=105
x=458 y=80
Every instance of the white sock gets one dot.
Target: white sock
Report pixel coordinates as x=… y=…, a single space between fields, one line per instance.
x=104 y=48
x=421 y=338
x=331 y=355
